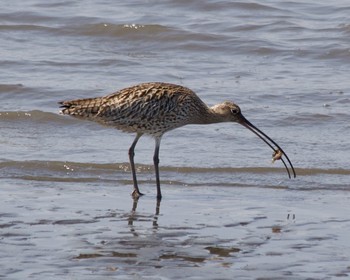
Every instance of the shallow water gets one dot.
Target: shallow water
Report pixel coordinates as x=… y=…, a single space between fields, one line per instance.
x=227 y=211
x=252 y=233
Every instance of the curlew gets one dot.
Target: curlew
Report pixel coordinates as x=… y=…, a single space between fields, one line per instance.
x=156 y=108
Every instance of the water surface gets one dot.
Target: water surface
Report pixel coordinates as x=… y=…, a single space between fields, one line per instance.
x=227 y=211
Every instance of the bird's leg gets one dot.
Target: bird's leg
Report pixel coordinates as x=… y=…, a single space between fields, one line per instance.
x=156 y=166
x=136 y=193
x=156 y=215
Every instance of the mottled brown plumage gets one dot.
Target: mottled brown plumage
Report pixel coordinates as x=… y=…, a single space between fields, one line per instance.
x=149 y=108
x=153 y=109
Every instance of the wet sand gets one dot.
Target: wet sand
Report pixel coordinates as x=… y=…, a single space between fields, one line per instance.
x=57 y=230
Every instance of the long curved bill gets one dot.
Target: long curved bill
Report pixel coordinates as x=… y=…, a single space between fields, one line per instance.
x=272 y=144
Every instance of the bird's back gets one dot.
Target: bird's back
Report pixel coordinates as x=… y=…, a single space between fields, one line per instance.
x=151 y=108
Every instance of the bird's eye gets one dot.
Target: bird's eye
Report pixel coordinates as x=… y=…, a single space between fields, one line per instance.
x=235 y=111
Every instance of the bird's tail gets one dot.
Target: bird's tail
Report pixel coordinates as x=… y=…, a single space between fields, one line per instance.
x=81 y=108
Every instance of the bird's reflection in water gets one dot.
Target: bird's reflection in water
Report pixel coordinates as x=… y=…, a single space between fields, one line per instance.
x=134 y=216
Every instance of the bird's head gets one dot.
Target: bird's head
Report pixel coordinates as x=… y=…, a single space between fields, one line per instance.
x=230 y=112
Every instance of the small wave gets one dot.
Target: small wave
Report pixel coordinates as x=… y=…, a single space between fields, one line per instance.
x=344 y=27
x=334 y=52
x=26 y=27
x=35 y=116
x=106 y=174
x=247 y=6
x=308 y=118
x=115 y=30
x=12 y=88
x=111 y=168
x=151 y=33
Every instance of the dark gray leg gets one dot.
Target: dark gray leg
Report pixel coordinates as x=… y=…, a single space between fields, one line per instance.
x=156 y=167
x=136 y=193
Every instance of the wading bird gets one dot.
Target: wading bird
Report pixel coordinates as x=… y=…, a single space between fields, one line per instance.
x=156 y=108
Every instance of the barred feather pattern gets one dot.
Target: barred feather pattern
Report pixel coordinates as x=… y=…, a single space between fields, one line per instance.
x=150 y=108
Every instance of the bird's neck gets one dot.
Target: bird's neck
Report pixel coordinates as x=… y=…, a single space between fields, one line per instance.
x=209 y=116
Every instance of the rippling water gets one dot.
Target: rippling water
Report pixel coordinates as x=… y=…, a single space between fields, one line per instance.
x=65 y=183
